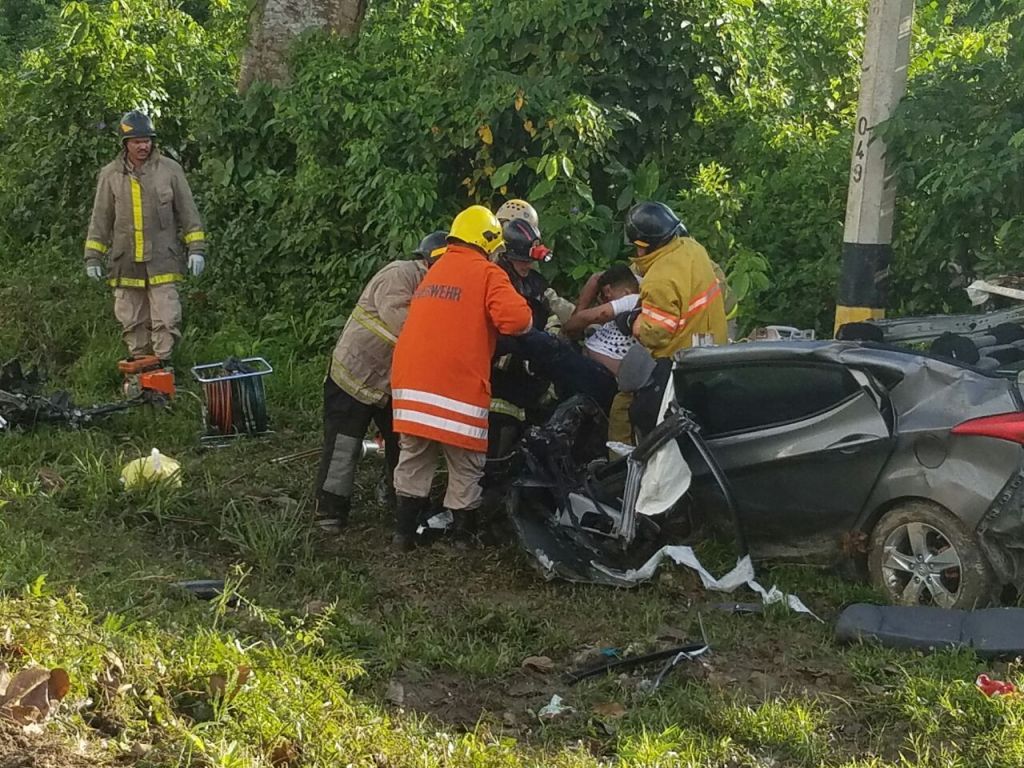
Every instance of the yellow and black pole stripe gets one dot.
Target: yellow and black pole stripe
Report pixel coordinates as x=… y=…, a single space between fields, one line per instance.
x=863 y=283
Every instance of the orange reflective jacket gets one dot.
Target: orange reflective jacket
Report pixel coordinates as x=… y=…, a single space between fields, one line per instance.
x=440 y=377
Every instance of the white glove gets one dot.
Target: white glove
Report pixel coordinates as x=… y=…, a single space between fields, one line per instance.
x=95 y=271
x=196 y=264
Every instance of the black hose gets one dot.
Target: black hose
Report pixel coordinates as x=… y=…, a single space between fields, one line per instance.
x=632 y=661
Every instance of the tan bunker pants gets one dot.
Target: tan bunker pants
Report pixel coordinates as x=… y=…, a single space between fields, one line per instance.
x=150 y=317
x=417 y=463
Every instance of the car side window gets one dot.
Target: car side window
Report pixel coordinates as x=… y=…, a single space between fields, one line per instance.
x=752 y=396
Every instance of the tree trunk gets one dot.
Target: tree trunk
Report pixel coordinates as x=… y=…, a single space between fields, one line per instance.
x=275 y=24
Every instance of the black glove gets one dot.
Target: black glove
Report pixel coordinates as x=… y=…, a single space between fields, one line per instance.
x=624 y=321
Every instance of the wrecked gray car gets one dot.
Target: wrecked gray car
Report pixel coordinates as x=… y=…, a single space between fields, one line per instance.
x=907 y=463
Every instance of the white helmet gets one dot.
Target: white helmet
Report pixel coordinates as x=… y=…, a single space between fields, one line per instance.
x=518 y=209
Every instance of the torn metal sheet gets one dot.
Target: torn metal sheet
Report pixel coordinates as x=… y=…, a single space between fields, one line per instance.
x=741 y=575
x=667 y=475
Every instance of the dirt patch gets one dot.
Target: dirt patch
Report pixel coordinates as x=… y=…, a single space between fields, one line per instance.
x=509 y=702
x=19 y=750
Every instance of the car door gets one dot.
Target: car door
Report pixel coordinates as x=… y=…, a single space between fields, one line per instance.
x=801 y=442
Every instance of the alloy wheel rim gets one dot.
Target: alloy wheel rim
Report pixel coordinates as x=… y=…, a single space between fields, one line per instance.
x=920 y=566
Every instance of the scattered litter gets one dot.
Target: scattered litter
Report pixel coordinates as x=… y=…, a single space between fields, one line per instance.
x=683 y=655
x=439 y=522
x=541 y=664
x=554 y=708
x=742 y=574
x=155 y=468
x=676 y=654
x=991 y=687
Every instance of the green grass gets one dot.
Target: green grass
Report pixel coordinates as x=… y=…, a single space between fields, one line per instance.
x=298 y=670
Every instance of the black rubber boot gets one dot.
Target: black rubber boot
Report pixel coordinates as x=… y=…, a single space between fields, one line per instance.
x=407 y=520
x=332 y=511
x=465 y=523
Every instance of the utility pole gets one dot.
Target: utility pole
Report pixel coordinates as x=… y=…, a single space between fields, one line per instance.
x=871 y=199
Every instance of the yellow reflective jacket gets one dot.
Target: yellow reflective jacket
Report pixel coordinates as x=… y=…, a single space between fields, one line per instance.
x=361 y=363
x=679 y=296
x=140 y=220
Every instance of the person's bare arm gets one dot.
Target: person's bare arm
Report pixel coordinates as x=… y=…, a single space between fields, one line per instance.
x=583 y=315
x=581 y=318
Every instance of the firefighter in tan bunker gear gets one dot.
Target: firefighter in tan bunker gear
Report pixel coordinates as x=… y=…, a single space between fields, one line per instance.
x=146 y=228
x=357 y=389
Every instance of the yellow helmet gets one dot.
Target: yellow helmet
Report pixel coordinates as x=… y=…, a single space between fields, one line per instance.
x=479 y=227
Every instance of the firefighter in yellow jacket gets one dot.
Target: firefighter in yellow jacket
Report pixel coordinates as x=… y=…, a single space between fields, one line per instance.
x=680 y=295
x=681 y=300
x=145 y=227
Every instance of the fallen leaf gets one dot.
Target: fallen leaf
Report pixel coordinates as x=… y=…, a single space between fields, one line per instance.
x=218 y=684
x=140 y=749
x=20 y=715
x=611 y=709
x=59 y=684
x=50 y=480
x=24 y=683
x=284 y=755
x=485 y=134
x=538 y=664
x=12 y=650
x=671 y=633
x=519 y=100
x=244 y=673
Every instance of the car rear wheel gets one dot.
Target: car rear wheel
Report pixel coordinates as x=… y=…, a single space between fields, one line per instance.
x=922 y=555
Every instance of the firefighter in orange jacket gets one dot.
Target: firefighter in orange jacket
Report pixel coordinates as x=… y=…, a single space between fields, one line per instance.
x=440 y=380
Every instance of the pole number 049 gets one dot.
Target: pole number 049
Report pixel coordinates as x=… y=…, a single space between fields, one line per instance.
x=859 y=154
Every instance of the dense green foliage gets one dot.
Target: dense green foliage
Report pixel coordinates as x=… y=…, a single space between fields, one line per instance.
x=736 y=111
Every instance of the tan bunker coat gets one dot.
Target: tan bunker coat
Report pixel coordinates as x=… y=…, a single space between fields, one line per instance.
x=140 y=221
x=361 y=363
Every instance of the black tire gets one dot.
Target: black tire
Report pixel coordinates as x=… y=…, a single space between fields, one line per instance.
x=920 y=554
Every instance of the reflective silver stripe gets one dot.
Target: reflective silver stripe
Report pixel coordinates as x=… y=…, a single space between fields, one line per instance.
x=437 y=422
x=456 y=406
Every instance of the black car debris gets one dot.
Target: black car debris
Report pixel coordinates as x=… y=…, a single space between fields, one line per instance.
x=826 y=451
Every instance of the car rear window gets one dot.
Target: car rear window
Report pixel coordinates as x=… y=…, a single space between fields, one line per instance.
x=752 y=396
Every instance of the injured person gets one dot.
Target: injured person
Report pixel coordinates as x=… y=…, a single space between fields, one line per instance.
x=605 y=296
x=590 y=370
